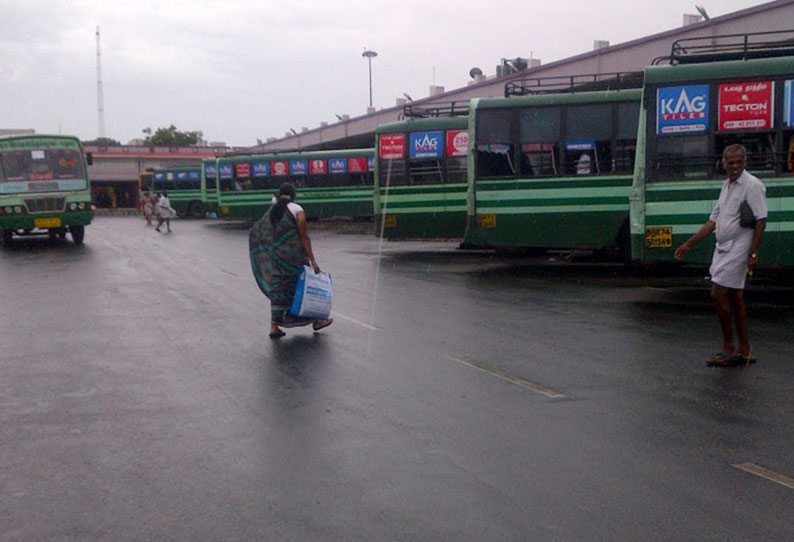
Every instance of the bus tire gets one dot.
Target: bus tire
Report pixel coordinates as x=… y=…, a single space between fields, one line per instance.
x=78 y=232
x=194 y=210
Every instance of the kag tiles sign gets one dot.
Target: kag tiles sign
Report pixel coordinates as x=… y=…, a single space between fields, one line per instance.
x=682 y=109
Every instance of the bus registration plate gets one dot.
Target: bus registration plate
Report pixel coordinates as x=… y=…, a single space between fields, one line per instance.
x=47 y=222
x=659 y=237
x=486 y=221
x=390 y=221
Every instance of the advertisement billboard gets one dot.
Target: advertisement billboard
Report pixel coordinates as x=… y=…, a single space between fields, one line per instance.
x=392 y=146
x=337 y=165
x=243 y=170
x=746 y=105
x=427 y=145
x=298 y=167
x=318 y=167
x=683 y=109
x=457 y=142
x=279 y=169
x=225 y=171
x=357 y=165
x=261 y=169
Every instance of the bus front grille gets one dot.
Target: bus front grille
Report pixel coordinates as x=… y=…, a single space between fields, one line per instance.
x=45 y=205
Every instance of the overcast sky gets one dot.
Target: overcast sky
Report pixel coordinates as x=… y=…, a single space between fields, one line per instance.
x=247 y=70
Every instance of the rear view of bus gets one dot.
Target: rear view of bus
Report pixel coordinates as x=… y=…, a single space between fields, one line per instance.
x=420 y=173
x=44 y=187
x=553 y=163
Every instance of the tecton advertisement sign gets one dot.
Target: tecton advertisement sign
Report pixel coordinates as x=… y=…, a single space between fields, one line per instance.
x=392 y=146
x=427 y=145
x=457 y=142
x=243 y=170
x=682 y=109
x=357 y=165
x=746 y=106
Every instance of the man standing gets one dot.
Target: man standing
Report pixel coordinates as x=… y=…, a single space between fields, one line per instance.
x=736 y=251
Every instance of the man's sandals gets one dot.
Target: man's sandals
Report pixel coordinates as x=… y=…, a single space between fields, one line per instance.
x=721 y=359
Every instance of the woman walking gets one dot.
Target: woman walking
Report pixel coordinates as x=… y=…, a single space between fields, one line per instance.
x=279 y=247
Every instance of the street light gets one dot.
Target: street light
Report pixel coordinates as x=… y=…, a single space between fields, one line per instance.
x=369 y=54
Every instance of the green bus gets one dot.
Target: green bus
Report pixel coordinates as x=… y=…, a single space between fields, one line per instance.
x=420 y=173
x=44 y=187
x=329 y=183
x=714 y=92
x=183 y=185
x=552 y=164
x=209 y=185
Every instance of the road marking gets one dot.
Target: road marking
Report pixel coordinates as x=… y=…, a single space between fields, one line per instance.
x=353 y=320
x=517 y=380
x=229 y=272
x=763 y=472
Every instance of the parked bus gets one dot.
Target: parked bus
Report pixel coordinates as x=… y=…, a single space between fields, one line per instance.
x=714 y=92
x=183 y=185
x=209 y=185
x=420 y=173
x=329 y=183
x=44 y=187
x=552 y=163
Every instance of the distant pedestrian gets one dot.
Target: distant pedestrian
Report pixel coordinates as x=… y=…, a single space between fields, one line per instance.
x=738 y=242
x=164 y=212
x=148 y=208
x=279 y=246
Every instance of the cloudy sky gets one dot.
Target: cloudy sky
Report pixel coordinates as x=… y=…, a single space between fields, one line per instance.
x=244 y=70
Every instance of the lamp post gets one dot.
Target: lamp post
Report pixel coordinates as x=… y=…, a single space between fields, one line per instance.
x=369 y=54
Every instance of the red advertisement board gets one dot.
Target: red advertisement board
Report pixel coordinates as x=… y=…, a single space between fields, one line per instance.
x=392 y=146
x=357 y=165
x=746 y=106
x=318 y=167
x=242 y=171
x=279 y=169
x=457 y=142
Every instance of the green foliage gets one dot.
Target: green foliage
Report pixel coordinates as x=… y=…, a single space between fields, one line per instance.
x=103 y=142
x=171 y=137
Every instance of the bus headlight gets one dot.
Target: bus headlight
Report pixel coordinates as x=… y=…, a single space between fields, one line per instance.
x=18 y=210
x=8 y=210
x=73 y=206
x=81 y=205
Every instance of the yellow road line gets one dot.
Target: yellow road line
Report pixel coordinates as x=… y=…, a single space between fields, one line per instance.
x=353 y=320
x=763 y=472
x=517 y=380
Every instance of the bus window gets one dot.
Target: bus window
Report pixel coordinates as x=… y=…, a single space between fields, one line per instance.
x=67 y=164
x=426 y=171
x=588 y=132
x=456 y=169
x=760 y=150
x=494 y=144
x=392 y=172
x=681 y=157
x=540 y=134
x=300 y=181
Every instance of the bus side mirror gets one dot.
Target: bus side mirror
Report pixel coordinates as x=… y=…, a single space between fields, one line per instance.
x=89 y=158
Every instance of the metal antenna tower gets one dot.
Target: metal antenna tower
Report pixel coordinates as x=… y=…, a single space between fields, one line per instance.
x=100 y=98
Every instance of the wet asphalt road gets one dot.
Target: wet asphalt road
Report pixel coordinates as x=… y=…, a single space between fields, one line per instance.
x=457 y=396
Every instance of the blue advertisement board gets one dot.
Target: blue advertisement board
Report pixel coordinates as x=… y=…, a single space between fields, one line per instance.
x=337 y=165
x=682 y=110
x=195 y=176
x=210 y=170
x=788 y=104
x=160 y=176
x=298 y=167
x=225 y=171
x=580 y=146
x=261 y=169
x=427 y=145
x=371 y=163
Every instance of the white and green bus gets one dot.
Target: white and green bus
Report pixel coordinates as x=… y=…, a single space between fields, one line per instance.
x=44 y=187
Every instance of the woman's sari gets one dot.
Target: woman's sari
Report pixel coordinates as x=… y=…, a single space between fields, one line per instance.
x=277 y=258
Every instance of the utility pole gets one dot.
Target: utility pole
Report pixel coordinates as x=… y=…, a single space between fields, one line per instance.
x=100 y=99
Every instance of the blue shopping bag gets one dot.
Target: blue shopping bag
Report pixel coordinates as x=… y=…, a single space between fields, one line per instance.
x=314 y=294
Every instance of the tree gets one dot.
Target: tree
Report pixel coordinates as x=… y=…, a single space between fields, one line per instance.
x=171 y=137
x=103 y=142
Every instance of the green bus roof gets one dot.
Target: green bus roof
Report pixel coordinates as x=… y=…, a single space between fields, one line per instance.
x=27 y=141
x=567 y=98
x=309 y=155
x=719 y=70
x=424 y=125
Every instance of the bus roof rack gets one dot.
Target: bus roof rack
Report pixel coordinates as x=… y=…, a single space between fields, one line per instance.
x=574 y=83
x=730 y=47
x=439 y=109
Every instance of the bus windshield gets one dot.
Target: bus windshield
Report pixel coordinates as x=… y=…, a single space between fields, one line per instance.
x=36 y=170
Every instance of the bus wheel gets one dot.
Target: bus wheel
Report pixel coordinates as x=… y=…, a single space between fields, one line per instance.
x=8 y=237
x=77 y=234
x=62 y=233
x=195 y=210
x=52 y=234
